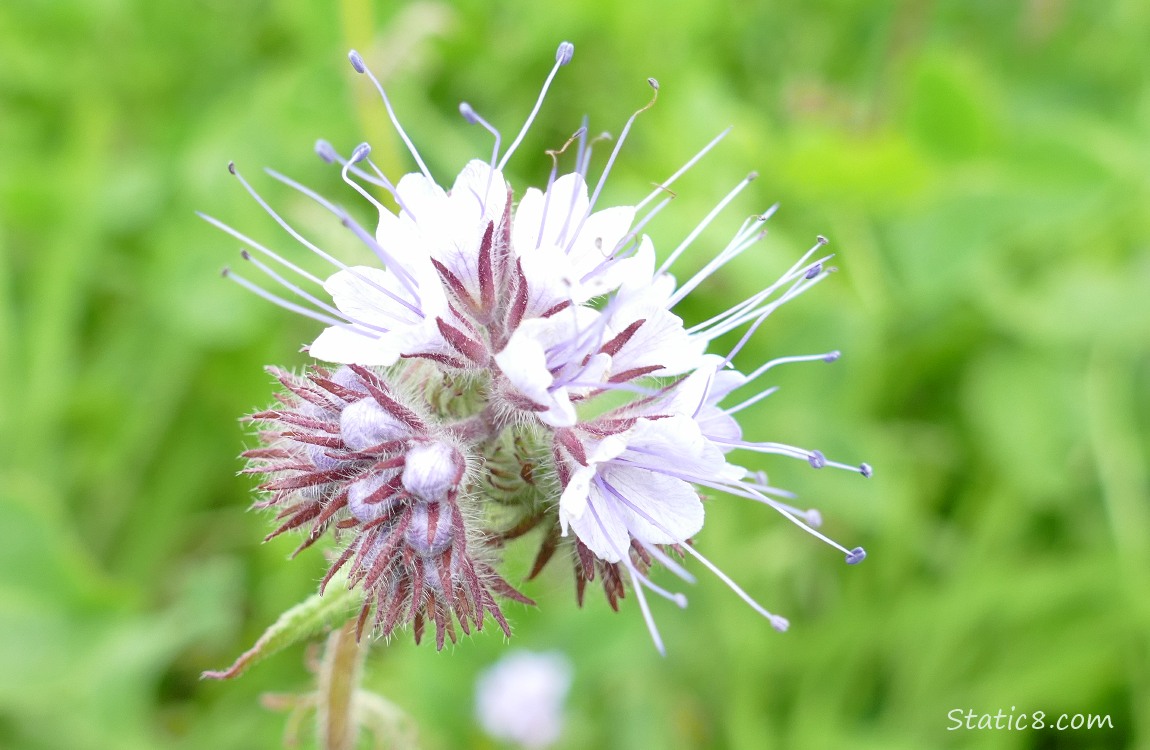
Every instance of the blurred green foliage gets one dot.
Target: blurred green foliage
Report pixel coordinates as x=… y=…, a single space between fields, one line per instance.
x=981 y=168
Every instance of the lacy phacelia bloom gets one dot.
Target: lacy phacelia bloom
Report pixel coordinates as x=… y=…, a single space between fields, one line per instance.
x=509 y=366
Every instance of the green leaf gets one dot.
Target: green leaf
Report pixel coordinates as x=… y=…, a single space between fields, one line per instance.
x=299 y=623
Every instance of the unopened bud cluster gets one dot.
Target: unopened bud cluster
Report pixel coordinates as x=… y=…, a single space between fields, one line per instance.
x=376 y=464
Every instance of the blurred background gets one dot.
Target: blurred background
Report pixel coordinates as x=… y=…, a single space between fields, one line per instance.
x=979 y=167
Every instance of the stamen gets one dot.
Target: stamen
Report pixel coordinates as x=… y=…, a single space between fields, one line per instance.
x=385 y=183
x=646 y=610
x=328 y=153
x=359 y=154
x=810 y=516
x=357 y=63
x=747 y=236
x=706 y=221
x=682 y=170
x=578 y=134
x=611 y=160
x=764 y=486
x=827 y=357
x=814 y=457
x=639 y=225
x=473 y=117
x=752 y=400
x=743 y=489
x=293 y=307
x=625 y=556
x=309 y=297
x=257 y=246
x=749 y=491
x=667 y=561
x=562 y=56
x=759 y=315
x=778 y=622
x=582 y=155
x=564 y=53
x=742 y=309
x=348 y=222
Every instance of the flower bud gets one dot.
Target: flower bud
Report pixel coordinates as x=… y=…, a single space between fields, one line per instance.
x=431 y=469
x=369 y=498
x=429 y=529
x=365 y=424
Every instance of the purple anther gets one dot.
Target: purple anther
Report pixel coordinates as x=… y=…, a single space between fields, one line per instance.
x=325 y=151
x=832 y=356
x=356 y=61
x=565 y=52
x=817 y=460
x=232 y=167
x=866 y=470
x=468 y=113
x=814 y=270
x=856 y=556
x=361 y=152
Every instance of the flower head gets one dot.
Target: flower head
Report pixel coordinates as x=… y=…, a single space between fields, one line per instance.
x=511 y=364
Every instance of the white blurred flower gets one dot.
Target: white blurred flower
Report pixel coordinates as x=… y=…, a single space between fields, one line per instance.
x=520 y=699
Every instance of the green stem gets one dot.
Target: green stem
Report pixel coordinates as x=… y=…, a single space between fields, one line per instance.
x=339 y=677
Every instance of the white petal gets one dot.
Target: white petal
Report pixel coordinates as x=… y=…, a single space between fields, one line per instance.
x=420 y=196
x=451 y=226
x=679 y=443
x=642 y=272
x=660 y=340
x=528 y=216
x=573 y=501
x=337 y=344
x=607 y=277
x=481 y=192
x=597 y=239
x=716 y=424
x=691 y=393
x=559 y=212
x=357 y=292
x=560 y=411
x=524 y=363
x=673 y=504
x=550 y=279
x=603 y=531
x=400 y=237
